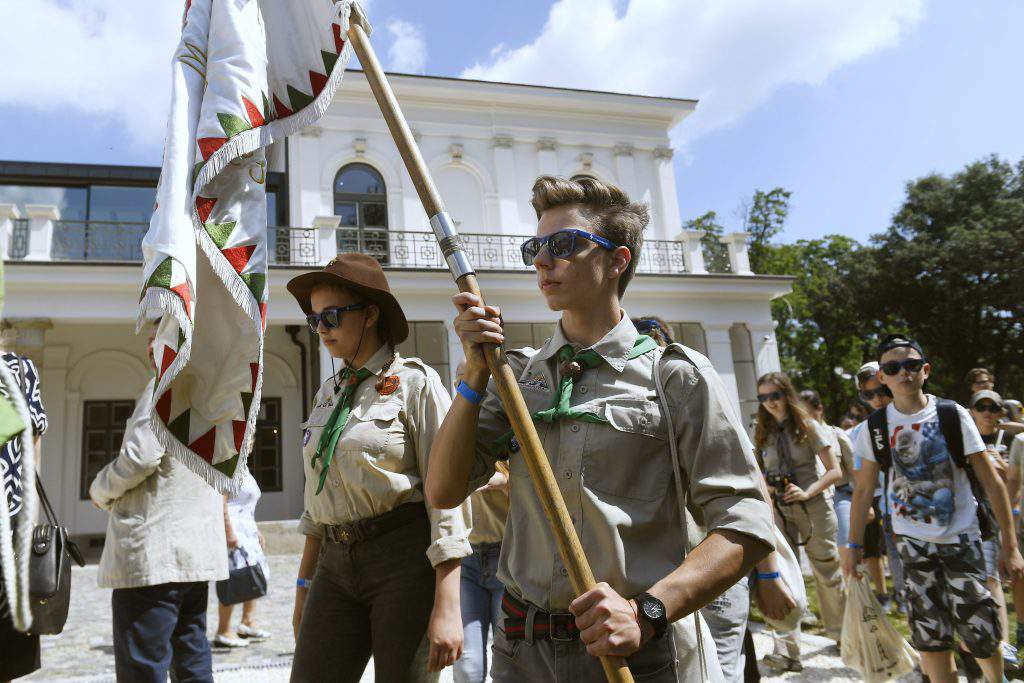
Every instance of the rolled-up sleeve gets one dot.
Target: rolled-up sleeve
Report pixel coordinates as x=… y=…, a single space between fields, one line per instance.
x=716 y=456
x=449 y=529
x=307 y=527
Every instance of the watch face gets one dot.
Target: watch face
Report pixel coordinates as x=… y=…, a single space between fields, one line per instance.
x=653 y=609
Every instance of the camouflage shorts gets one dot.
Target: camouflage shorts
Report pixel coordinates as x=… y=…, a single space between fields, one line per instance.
x=945 y=584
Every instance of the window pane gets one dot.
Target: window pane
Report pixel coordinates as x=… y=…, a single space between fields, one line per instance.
x=265 y=459
x=359 y=179
x=348 y=214
x=128 y=204
x=375 y=215
x=70 y=200
x=103 y=425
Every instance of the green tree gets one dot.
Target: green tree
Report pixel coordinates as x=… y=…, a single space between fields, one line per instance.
x=716 y=256
x=764 y=217
x=949 y=271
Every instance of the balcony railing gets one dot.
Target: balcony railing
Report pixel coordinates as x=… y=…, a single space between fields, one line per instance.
x=109 y=241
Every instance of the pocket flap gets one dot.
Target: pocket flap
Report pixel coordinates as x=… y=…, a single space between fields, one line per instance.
x=387 y=411
x=636 y=416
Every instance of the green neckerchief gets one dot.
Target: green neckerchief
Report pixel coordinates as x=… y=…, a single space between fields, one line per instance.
x=337 y=421
x=560 y=409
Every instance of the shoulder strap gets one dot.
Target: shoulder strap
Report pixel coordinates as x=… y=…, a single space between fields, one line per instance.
x=677 y=477
x=949 y=423
x=878 y=434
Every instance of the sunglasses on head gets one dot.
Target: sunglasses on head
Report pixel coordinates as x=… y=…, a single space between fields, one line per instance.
x=988 y=406
x=870 y=394
x=773 y=396
x=893 y=367
x=560 y=244
x=331 y=316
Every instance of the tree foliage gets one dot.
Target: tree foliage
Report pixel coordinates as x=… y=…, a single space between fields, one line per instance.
x=949 y=271
x=716 y=256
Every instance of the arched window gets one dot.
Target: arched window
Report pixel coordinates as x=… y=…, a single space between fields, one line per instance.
x=360 y=199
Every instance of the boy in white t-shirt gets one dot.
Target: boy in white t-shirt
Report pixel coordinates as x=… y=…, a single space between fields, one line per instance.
x=934 y=513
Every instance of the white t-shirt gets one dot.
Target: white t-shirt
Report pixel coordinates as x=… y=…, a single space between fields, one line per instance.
x=929 y=496
x=854 y=434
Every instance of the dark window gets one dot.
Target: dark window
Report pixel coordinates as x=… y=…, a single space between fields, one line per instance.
x=102 y=432
x=265 y=459
x=360 y=199
x=72 y=201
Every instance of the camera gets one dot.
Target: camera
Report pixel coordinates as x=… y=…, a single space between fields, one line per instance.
x=778 y=481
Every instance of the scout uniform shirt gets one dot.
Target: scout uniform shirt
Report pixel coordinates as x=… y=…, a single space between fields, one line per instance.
x=490 y=510
x=799 y=460
x=381 y=458
x=616 y=477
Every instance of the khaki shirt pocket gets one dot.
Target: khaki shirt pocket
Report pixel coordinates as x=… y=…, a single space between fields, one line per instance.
x=374 y=427
x=628 y=457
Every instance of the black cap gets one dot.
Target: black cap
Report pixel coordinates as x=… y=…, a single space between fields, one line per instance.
x=895 y=341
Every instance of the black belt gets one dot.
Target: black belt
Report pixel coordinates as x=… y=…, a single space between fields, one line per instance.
x=555 y=626
x=371 y=527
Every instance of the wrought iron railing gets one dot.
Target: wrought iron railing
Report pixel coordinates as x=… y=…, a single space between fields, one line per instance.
x=18 y=247
x=97 y=240
x=287 y=246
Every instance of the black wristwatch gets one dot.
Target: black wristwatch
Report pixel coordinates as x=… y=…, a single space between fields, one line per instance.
x=653 y=610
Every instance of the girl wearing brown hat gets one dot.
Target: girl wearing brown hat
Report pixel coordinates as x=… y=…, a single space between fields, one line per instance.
x=379 y=574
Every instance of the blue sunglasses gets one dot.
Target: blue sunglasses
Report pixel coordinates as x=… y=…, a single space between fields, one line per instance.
x=330 y=317
x=560 y=244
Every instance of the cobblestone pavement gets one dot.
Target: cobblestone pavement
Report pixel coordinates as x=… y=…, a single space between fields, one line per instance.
x=84 y=652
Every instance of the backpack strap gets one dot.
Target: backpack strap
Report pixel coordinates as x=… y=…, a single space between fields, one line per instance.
x=949 y=424
x=878 y=434
x=677 y=477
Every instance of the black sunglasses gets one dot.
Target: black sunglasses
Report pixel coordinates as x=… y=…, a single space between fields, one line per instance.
x=869 y=394
x=984 y=406
x=773 y=396
x=893 y=367
x=560 y=244
x=330 y=317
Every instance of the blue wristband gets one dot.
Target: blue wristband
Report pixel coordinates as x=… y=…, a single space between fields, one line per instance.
x=303 y=583
x=855 y=546
x=465 y=392
x=769 y=575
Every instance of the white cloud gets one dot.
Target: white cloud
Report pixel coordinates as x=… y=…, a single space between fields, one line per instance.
x=730 y=54
x=105 y=57
x=408 y=52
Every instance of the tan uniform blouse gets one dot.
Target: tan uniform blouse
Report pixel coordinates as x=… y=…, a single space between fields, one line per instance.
x=617 y=478
x=490 y=510
x=800 y=460
x=381 y=458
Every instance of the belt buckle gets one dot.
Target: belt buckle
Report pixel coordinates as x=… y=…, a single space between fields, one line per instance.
x=559 y=627
x=340 y=534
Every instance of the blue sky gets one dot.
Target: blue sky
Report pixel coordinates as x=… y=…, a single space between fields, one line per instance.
x=839 y=103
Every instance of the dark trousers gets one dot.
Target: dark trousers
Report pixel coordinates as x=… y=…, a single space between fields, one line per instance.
x=370 y=598
x=156 y=627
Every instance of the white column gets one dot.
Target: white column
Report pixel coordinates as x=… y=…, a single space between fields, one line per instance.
x=56 y=461
x=693 y=253
x=31 y=337
x=8 y=214
x=547 y=156
x=505 y=179
x=739 y=262
x=720 y=355
x=668 y=204
x=766 y=348
x=327 y=237
x=625 y=168
x=455 y=354
x=40 y=241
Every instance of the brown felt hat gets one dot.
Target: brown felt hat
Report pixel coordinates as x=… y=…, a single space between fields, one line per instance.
x=363 y=275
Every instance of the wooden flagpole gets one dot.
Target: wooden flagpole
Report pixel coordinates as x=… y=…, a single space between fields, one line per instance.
x=532 y=450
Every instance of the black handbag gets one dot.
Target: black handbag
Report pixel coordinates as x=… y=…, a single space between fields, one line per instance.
x=49 y=570
x=244 y=583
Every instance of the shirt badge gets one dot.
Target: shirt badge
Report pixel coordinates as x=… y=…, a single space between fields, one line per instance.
x=388 y=385
x=305 y=437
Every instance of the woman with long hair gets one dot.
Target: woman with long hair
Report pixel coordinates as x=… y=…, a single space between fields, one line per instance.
x=379 y=574
x=800 y=466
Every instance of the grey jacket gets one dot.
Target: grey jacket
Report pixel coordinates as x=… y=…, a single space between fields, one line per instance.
x=166 y=524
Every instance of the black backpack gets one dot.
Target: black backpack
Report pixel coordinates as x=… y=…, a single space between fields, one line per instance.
x=949 y=424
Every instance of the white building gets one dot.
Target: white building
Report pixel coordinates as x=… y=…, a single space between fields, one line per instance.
x=71 y=238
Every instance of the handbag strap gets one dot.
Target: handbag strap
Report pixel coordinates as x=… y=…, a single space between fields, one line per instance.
x=677 y=477
x=51 y=516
